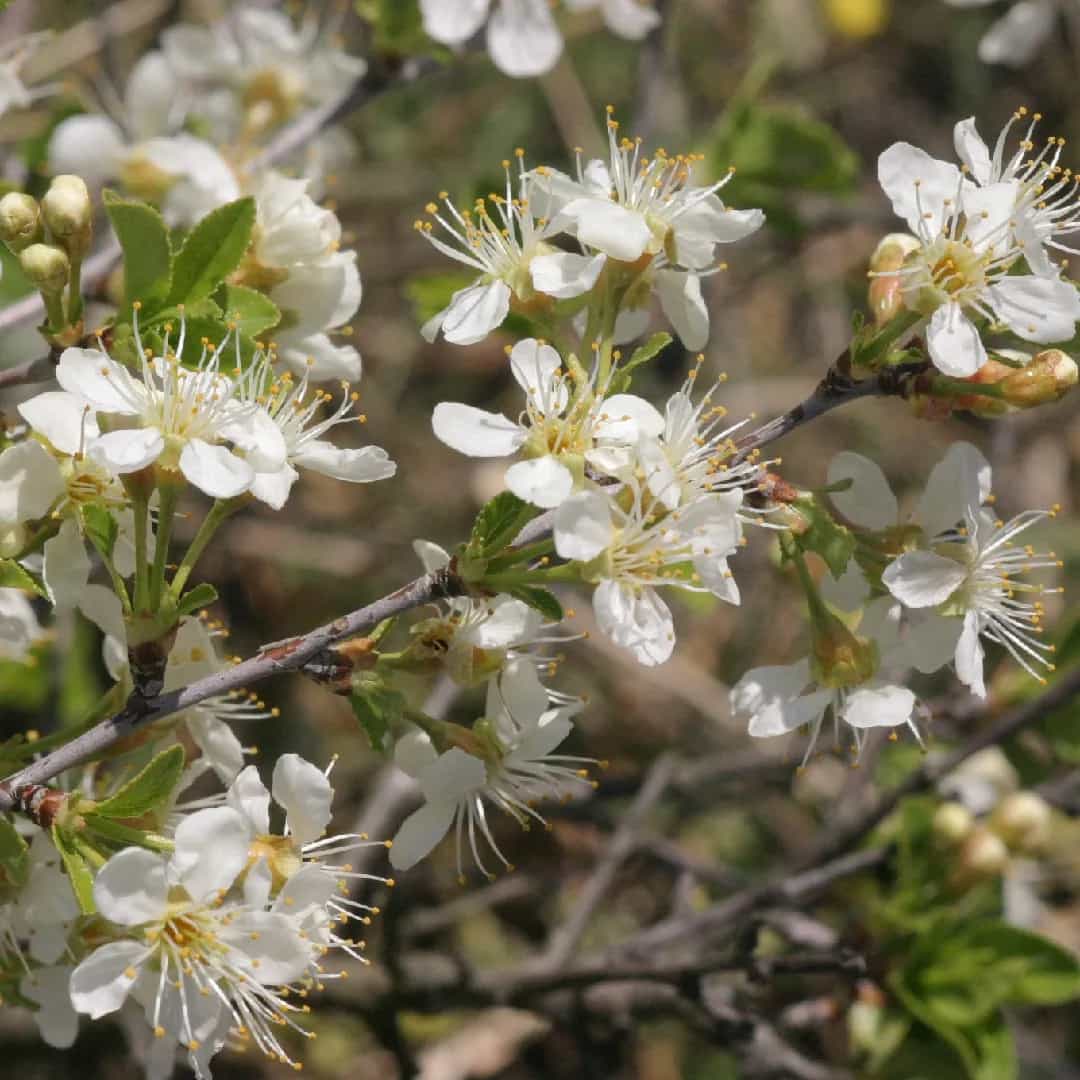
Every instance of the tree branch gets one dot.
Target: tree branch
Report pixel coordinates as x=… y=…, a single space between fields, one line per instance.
x=291 y=655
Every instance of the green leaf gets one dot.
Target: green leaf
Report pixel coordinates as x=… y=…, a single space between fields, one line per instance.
x=144 y=239
x=201 y=596
x=377 y=708
x=100 y=528
x=212 y=250
x=824 y=535
x=79 y=875
x=14 y=861
x=498 y=522
x=251 y=311
x=622 y=378
x=430 y=293
x=14 y=576
x=147 y=791
x=540 y=599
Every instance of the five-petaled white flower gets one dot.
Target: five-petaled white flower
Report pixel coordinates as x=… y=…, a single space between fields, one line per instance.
x=510 y=765
x=970 y=243
x=565 y=426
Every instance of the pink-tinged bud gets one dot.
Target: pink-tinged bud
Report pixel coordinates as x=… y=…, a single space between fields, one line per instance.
x=885 y=296
x=68 y=213
x=1022 y=820
x=1048 y=378
x=20 y=221
x=952 y=823
x=47 y=267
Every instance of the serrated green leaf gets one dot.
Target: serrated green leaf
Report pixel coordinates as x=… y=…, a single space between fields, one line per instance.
x=79 y=874
x=201 y=596
x=499 y=521
x=144 y=239
x=539 y=599
x=100 y=528
x=620 y=383
x=251 y=311
x=14 y=576
x=206 y=308
x=212 y=250
x=147 y=791
x=377 y=707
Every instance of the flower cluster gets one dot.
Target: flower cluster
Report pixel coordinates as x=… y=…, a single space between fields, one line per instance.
x=982 y=235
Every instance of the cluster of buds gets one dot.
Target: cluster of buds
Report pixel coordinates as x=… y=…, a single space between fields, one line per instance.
x=51 y=239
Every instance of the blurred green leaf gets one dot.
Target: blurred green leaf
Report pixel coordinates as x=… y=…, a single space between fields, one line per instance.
x=623 y=377
x=15 y=576
x=79 y=875
x=539 y=599
x=430 y=293
x=499 y=521
x=13 y=854
x=377 y=708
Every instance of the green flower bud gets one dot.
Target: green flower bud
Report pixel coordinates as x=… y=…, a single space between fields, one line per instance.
x=952 y=823
x=1022 y=820
x=68 y=212
x=982 y=856
x=20 y=221
x=839 y=658
x=46 y=266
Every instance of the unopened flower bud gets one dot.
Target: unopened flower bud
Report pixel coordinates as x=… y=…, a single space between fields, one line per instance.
x=885 y=296
x=13 y=539
x=1022 y=820
x=68 y=212
x=952 y=823
x=983 y=855
x=20 y=221
x=46 y=266
x=1048 y=378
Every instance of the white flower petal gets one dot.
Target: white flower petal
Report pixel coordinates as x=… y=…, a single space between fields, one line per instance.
x=921 y=579
x=1037 y=309
x=131 y=888
x=419 y=833
x=869 y=500
x=683 y=304
x=618 y=232
x=88 y=146
x=453 y=22
x=954 y=343
x=879 y=706
x=475 y=311
x=431 y=556
x=781 y=717
x=67 y=566
x=972 y=151
x=452 y=776
x=211 y=850
x=625 y=418
x=305 y=793
x=544 y=482
x=96 y=377
x=958 y=485
x=215 y=470
x=523 y=38
x=474 y=432
x=268 y=947
x=931 y=641
x=128 y=450
x=969 y=656
x=564 y=274
x=1019 y=34
x=273 y=488
x=918 y=187
x=360 y=465
x=101 y=983
x=30 y=482
x=582 y=526
x=66 y=420
x=56 y=1019
x=510 y=622
x=248 y=796
x=635 y=619
x=763 y=685
x=414 y=752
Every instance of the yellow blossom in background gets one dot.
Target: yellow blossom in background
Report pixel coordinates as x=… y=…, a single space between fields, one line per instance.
x=857 y=18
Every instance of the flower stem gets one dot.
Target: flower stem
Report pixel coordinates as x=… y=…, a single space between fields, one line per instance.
x=141 y=510
x=166 y=513
x=222 y=509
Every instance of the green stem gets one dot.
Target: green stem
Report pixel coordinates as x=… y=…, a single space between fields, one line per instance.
x=124 y=834
x=75 y=302
x=166 y=513
x=946 y=386
x=54 y=311
x=140 y=508
x=813 y=597
x=221 y=510
x=517 y=555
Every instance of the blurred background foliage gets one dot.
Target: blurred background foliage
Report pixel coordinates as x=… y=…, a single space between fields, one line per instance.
x=800 y=96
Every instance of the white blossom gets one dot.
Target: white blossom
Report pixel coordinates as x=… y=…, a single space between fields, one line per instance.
x=14 y=93
x=564 y=426
x=1016 y=37
x=962 y=270
x=510 y=765
x=295 y=409
x=19 y=627
x=509 y=247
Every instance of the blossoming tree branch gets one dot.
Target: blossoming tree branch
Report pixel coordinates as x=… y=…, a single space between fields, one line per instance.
x=144 y=863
